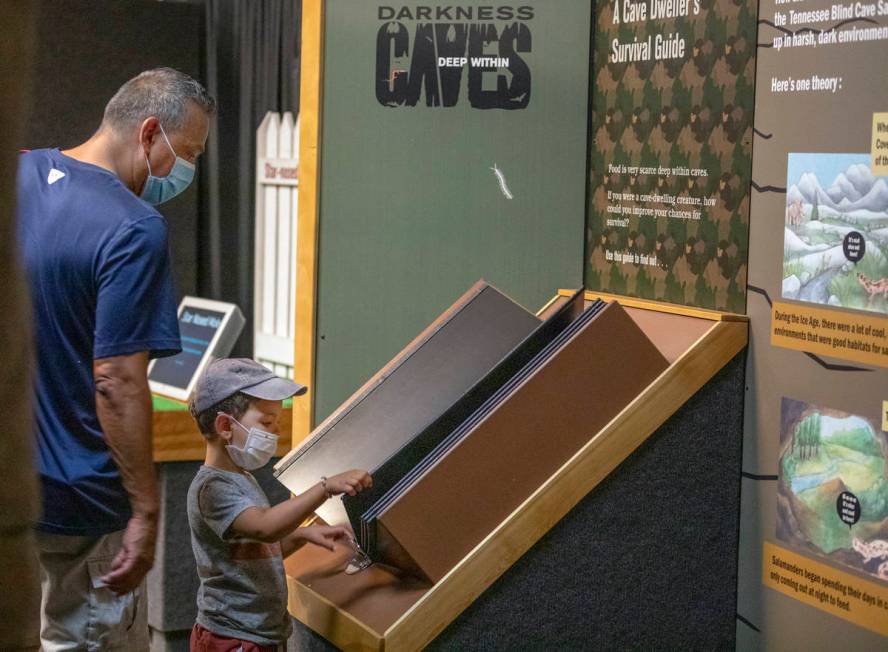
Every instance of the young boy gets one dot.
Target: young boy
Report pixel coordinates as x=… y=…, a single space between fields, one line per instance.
x=239 y=541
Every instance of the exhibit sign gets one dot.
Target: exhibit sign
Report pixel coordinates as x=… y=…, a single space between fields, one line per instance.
x=453 y=148
x=824 y=587
x=814 y=525
x=670 y=150
x=208 y=329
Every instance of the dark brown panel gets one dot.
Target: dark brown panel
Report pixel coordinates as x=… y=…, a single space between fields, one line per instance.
x=547 y=419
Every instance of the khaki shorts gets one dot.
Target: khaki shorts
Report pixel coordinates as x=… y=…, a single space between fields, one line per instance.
x=77 y=611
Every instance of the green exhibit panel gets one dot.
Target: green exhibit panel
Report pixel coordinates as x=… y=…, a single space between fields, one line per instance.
x=452 y=148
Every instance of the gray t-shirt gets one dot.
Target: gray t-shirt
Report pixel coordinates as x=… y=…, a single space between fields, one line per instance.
x=243 y=590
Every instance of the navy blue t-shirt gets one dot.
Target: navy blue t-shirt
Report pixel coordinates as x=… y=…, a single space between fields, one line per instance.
x=97 y=262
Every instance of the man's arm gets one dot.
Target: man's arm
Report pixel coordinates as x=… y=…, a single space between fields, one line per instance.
x=123 y=405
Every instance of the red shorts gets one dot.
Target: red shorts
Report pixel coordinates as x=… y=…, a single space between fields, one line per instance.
x=203 y=640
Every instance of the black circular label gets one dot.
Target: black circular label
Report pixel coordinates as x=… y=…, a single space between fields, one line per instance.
x=854 y=246
x=848 y=508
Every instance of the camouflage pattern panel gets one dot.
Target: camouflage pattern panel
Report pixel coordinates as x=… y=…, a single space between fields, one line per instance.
x=670 y=152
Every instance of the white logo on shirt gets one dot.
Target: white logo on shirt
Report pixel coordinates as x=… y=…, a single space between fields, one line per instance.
x=54 y=175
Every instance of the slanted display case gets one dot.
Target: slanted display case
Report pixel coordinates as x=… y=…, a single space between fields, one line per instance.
x=509 y=469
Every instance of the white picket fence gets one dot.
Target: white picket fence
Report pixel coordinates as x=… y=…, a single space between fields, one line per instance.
x=277 y=191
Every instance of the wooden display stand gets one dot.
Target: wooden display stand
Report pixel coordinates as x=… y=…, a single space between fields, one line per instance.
x=383 y=609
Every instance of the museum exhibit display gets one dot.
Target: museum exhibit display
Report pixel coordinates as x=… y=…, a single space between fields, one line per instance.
x=414 y=389
x=611 y=380
x=659 y=421
x=438 y=436
x=529 y=428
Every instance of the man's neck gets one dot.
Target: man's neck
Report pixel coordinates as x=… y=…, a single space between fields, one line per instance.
x=103 y=150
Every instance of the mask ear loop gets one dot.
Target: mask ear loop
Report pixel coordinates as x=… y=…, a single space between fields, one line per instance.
x=225 y=414
x=150 y=174
x=231 y=418
x=163 y=133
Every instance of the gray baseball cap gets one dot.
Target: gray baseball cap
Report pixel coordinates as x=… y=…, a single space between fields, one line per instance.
x=227 y=376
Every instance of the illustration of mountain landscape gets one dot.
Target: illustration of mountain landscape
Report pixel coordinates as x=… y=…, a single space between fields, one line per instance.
x=820 y=213
x=824 y=453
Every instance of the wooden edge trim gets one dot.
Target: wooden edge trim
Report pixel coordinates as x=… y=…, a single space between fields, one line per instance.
x=661 y=306
x=576 y=478
x=310 y=93
x=549 y=303
x=339 y=626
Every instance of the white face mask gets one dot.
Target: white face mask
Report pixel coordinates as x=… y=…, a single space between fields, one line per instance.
x=257 y=450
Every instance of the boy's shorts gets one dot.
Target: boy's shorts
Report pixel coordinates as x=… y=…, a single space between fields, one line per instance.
x=203 y=640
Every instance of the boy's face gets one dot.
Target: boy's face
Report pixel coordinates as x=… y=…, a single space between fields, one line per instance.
x=261 y=414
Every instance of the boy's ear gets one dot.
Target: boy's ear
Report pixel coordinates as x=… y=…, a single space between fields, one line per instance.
x=222 y=425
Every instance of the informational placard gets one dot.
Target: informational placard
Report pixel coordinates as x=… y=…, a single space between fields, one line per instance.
x=823 y=587
x=848 y=335
x=670 y=143
x=814 y=525
x=207 y=329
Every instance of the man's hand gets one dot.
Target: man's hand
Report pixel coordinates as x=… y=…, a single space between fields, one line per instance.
x=351 y=482
x=324 y=535
x=135 y=558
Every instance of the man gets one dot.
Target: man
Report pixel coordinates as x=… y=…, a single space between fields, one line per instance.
x=96 y=255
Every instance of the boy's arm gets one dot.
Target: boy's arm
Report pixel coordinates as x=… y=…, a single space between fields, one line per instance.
x=292 y=542
x=272 y=524
x=322 y=535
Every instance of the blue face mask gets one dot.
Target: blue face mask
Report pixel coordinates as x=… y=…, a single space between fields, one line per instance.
x=160 y=189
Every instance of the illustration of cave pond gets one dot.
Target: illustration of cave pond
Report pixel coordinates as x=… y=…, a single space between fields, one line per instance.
x=835 y=243
x=832 y=497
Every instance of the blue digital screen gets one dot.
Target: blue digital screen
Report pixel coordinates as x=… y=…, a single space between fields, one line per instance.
x=197 y=327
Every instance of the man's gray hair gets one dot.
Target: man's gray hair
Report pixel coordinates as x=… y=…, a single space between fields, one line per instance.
x=163 y=93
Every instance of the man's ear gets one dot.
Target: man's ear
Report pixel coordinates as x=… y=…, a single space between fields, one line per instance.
x=222 y=425
x=148 y=131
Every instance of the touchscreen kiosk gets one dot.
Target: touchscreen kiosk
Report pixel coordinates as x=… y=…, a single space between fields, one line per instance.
x=208 y=330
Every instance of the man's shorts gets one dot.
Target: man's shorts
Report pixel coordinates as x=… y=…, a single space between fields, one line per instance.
x=203 y=640
x=77 y=610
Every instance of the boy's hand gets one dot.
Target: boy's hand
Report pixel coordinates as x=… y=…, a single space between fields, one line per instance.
x=351 y=482
x=324 y=535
